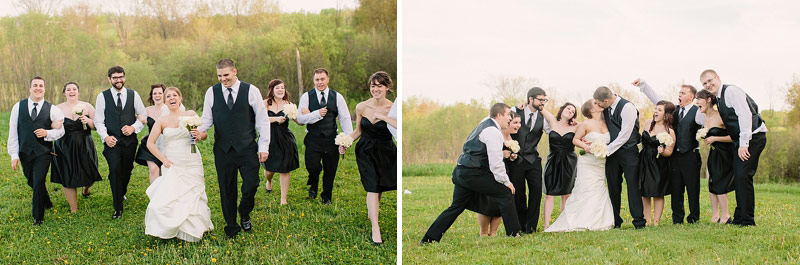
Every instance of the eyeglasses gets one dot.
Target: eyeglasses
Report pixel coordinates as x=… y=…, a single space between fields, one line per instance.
x=117 y=77
x=543 y=100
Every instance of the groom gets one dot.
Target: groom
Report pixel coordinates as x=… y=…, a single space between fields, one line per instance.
x=235 y=109
x=481 y=169
x=33 y=126
x=622 y=119
x=685 y=160
x=116 y=123
x=749 y=134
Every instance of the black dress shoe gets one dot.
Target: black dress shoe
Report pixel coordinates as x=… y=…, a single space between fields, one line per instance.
x=231 y=237
x=117 y=215
x=427 y=240
x=86 y=195
x=37 y=222
x=246 y=225
x=312 y=194
x=326 y=202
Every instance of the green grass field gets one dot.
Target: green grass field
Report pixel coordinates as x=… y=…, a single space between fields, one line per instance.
x=775 y=240
x=304 y=232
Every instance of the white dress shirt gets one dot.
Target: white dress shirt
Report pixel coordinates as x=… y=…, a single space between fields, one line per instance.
x=13 y=137
x=100 y=111
x=524 y=120
x=393 y=115
x=493 y=138
x=314 y=116
x=255 y=101
x=628 y=116
x=736 y=97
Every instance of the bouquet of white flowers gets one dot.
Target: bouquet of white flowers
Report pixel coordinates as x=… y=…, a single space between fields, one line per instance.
x=665 y=139
x=78 y=110
x=191 y=123
x=599 y=150
x=513 y=145
x=290 y=110
x=343 y=139
x=701 y=134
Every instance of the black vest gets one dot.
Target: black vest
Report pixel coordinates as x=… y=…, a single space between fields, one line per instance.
x=474 y=152
x=325 y=128
x=685 y=129
x=115 y=118
x=29 y=145
x=614 y=123
x=529 y=139
x=730 y=118
x=233 y=127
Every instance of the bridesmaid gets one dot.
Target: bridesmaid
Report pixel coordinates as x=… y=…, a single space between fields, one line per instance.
x=720 y=157
x=559 y=172
x=143 y=156
x=653 y=167
x=282 y=146
x=488 y=214
x=75 y=162
x=376 y=153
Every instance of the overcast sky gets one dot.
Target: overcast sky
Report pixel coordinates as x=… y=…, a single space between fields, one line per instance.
x=9 y=7
x=451 y=50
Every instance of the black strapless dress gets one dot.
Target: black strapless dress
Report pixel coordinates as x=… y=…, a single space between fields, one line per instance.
x=75 y=163
x=559 y=171
x=143 y=155
x=283 y=156
x=720 y=164
x=376 y=156
x=653 y=172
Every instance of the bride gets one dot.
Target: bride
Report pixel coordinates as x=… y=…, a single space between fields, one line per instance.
x=589 y=206
x=178 y=202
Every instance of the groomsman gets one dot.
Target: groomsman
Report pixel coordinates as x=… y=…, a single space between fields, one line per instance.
x=481 y=169
x=321 y=107
x=33 y=126
x=235 y=109
x=117 y=125
x=622 y=119
x=686 y=161
x=529 y=169
x=749 y=134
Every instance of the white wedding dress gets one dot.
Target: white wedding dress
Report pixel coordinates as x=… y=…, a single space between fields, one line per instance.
x=178 y=202
x=589 y=206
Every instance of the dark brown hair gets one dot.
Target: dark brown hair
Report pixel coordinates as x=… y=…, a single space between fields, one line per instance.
x=153 y=87
x=571 y=121
x=602 y=93
x=225 y=63
x=271 y=94
x=497 y=109
x=70 y=83
x=381 y=78
x=321 y=70
x=705 y=94
x=115 y=69
x=35 y=78
x=669 y=108
x=586 y=109
x=691 y=88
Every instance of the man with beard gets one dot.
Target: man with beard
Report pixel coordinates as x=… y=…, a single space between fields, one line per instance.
x=117 y=125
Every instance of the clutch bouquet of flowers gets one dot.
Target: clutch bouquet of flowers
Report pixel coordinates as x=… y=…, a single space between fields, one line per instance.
x=78 y=110
x=599 y=150
x=290 y=110
x=513 y=145
x=701 y=135
x=191 y=123
x=343 y=139
x=665 y=139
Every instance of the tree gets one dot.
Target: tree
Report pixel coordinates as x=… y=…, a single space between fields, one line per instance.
x=511 y=89
x=793 y=98
x=44 y=7
x=377 y=14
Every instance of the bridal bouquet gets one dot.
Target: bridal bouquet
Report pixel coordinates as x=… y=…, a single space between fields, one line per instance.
x=665 y=139
x=599 y=150
x=290 y=110
x=343 y=139
x=513 y=145
x=191 y=123
x=78 y=110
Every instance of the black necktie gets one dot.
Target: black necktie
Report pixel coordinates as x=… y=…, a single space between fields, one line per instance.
x=680 y=115
x=119 y=100
x=530 y=121
x=33 y=112
x=322 y=102
x=230 y=98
